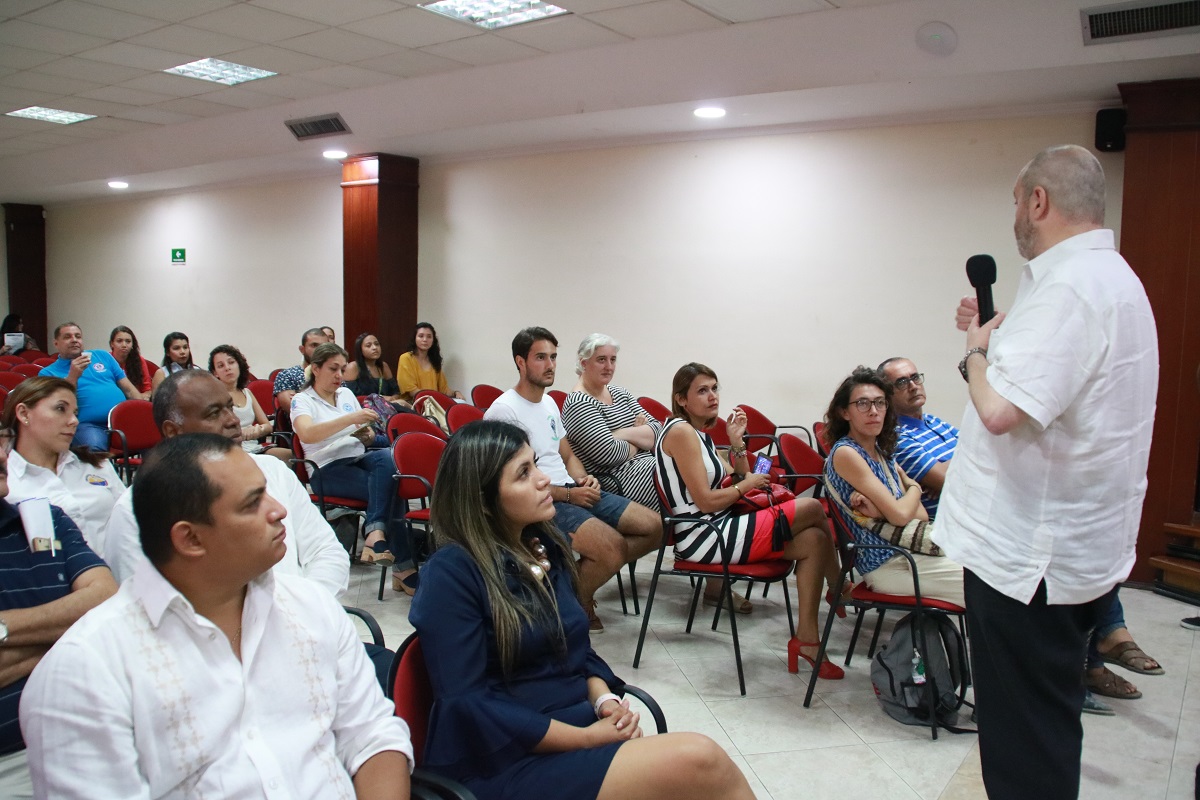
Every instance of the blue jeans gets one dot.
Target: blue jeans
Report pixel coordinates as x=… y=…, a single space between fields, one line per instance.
x=367 y=477
x=1111 y=619
x=91 y=436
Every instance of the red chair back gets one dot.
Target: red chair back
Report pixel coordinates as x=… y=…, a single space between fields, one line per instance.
x=655 y=409
x=462 y=414
x=800 y=459
x=559 y=397
x=417 y=454
x=719 y=434
x=298 y=465
x=483 y=395
x=35 y=355
x=819 y=435
x=401 y=424
x=264 y=393
x=28 y=370
x=45 y=362
x=757 y=422
x=275 y=372
x=11 y=361
x=3 y=395
x=135 y=419
x=412 y=693
x=9 y=380
x=443 y=400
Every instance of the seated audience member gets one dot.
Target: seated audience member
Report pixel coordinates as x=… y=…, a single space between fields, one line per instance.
x=196 y=402
x=177 y=355
x=99 y=383
x=523 y=707
x=291 y=380
x=606 y=531
x=229 y=366
x=123 y=346
x=14 y=324
x=209 y=674
x=421 y=367
x=924 y=446
x=368 y=373
x=860 y=434
x=330 y=334
x=40 y=412
x=609 y=431
x=334 y=431
x=44 y=590
x=691 y=470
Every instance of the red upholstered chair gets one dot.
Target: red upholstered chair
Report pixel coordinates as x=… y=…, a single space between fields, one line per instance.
x=10 y=380
x=463 y=414
x=655 y=409
x=35 y=355
x=401 y=424
x=3 y=395
x=45 y=362
x=803 y=468
x=863 y=599
x=274 y=373
x=264 y=393
x=819 y=436
x=558 y=397
x=28 y=370
x=11 y=361
x=483 y=395
x=764 y=571
x=759 y=424
x=416 y=456
x=443 y=400
x=132 y=432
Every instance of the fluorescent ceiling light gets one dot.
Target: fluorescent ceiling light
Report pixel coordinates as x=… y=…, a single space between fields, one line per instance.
x=51 y=115
x=492 y=14
x=218 y=71
x=118 y=185
x=709 y=112
x=334 y=154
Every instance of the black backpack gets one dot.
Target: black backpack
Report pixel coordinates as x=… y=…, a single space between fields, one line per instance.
x=944 y=667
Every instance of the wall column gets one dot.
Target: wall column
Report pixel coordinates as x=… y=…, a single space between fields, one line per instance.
x=25 y=235
x=379 y=249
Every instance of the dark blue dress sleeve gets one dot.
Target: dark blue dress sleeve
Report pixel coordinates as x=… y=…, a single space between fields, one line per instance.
x=473 y=729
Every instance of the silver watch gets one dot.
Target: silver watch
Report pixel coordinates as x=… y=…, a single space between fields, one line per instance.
x=3 y=632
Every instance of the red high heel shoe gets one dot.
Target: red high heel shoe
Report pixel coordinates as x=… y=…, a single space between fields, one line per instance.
x=838 y=608
x=828 y=671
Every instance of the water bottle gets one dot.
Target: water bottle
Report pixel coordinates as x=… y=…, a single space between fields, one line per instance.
x=918 y=668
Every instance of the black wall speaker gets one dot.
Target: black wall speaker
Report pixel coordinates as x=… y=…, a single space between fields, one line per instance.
x=1110 y=130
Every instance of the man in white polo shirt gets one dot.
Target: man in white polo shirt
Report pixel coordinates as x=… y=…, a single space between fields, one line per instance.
x=1043 y=503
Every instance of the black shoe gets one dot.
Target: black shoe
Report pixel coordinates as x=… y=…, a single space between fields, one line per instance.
x=1191 y=623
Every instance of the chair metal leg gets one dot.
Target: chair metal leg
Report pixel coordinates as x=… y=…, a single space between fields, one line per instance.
x=637 y=655
x=787 y=601
x=382 y=580
x=854 y=637
x=695 y=602
x=726 y=588
x=812 y=681
x=878 y=630
x=621 y=591
x=633 y=588
x=737 y=648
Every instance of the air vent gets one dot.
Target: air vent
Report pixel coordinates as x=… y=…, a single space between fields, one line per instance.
x=1144 y=20
x=314 y=127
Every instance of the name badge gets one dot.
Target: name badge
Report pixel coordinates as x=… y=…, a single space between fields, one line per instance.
x=40 y=544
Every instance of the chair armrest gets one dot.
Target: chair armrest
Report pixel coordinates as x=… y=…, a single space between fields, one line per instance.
x=371 y=623
x=807 y=433
x=660 y=721
x=436 y=786
x=818 y=487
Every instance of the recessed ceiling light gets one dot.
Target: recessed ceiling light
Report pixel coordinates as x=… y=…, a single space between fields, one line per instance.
x=217 y=71
x=709 y=112
x=492 y=14
x=334 y=154
x=118 y=185
x=51 y=115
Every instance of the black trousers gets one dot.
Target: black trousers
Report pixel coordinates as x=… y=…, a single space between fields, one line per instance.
x=1028 y=675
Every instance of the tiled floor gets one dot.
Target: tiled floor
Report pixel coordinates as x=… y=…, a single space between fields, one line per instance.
x=844 y=745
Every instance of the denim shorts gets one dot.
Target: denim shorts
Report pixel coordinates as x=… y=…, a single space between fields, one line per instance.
x=608 y=509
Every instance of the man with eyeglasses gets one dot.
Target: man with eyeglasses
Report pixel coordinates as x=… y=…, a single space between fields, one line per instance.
x=924 y=443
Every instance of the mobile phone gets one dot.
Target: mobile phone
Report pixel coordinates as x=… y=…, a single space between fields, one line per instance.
x=762 y=465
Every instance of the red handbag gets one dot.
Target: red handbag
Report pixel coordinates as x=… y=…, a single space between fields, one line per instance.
x=768 y=499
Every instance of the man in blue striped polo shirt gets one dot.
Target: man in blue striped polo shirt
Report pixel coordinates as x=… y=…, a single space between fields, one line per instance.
x=924 y=443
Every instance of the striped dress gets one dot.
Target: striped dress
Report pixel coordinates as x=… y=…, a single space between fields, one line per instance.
x=696 y=541
x=590 y=425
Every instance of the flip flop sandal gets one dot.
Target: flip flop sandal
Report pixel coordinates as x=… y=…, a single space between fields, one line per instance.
x=1132 y=658
x=740 y=604
x=1110 y=684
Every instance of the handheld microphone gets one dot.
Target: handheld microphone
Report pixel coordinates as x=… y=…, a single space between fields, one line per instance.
x=981 y=272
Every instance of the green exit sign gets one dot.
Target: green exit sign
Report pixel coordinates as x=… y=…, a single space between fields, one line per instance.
x=178 y=256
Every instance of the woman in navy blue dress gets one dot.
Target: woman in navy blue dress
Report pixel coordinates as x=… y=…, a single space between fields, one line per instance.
x=523 y=706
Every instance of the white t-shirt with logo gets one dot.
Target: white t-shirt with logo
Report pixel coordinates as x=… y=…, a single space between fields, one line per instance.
x=543 y=424
x=341 y=445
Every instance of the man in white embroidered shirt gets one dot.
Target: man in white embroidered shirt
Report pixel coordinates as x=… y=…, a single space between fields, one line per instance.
x=209 y=675
x=1043 y=502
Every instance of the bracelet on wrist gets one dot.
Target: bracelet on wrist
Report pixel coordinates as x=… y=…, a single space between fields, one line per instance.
x=602 y=699
x=568 y=494
x=738 y=486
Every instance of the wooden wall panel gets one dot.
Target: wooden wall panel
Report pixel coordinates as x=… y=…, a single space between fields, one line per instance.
x=25 y=236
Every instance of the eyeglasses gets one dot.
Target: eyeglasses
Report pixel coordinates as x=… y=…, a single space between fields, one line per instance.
x=916 y=379
x=863 y=404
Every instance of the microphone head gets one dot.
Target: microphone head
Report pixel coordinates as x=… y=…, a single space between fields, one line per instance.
x=981 y=270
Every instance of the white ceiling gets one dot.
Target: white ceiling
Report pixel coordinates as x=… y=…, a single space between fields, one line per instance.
x=408 y=81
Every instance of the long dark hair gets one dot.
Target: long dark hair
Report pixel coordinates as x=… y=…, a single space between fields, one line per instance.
x=133 y=361
x=435 y=351
x=836 y=426
x=236 y=355
x=467 y=511
x=168 y=340
x=361 y=360
x=11 y=324
x=32 y=391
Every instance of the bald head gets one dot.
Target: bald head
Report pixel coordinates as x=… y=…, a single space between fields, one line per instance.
x=1073 y=180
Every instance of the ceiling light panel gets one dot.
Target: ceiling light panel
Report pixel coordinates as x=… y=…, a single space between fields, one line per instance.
x=218 y=71
x=493 y=14
x=51 y=115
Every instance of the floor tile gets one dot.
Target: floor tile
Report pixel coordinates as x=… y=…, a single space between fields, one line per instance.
x=927 y=766
x=773 y=724
x=832 y=772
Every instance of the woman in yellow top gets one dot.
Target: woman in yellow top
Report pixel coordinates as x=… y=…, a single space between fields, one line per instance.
x=421 y=367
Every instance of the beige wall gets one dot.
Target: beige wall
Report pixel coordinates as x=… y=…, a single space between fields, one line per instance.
x=781 y=261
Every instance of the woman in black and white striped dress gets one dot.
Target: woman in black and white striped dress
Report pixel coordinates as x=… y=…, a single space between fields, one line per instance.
x=690 y=470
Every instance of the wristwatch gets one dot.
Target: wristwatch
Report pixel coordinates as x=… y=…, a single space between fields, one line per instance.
x=3 y=632
x=962 y=365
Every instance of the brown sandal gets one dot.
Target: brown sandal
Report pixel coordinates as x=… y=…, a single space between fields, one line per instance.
x=1109 y=684
x=740 y=604
x=1132 y=658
